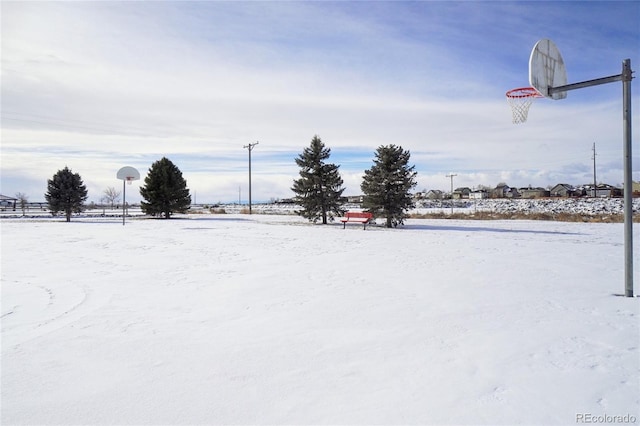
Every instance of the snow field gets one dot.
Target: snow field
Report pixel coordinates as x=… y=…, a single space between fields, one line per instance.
x=241 y=319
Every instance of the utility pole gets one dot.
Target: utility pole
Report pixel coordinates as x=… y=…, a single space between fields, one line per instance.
x=595 y=185
x=451 y=176
x=250 y=148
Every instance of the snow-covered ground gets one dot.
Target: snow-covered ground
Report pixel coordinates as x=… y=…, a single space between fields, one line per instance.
x=586 y=206
x=267 y=319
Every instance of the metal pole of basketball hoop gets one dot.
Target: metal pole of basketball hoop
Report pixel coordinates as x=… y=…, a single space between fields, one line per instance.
x=124 y=199
x=625 y=77
x=128 y=175
x=127 y=180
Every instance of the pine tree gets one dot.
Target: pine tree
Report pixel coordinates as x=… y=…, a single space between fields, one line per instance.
x=165 y=190
x=66 y=192
x=319 y=189
x=387 y=183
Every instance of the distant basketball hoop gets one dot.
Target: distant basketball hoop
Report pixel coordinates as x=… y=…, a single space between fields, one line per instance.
x=128 y=174
x=520 y=100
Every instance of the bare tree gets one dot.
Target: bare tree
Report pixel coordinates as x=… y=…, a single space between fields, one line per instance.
x=111 y=195
x=22 y=201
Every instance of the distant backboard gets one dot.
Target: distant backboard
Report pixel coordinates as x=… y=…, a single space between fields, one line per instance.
x=546 y=69
x=128 y=173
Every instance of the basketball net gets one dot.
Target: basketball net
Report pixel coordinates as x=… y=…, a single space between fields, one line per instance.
x=520 y=100
x=129 y=180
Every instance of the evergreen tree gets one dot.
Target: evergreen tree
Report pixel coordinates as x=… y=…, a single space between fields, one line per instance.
x=66 y=192
x=387 y=183
x=165 y=190
x=319 y=189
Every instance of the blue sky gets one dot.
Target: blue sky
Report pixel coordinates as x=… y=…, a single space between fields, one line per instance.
x=99 y=85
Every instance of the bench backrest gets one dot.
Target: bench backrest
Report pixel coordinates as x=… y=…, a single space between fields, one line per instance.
x=360 y=215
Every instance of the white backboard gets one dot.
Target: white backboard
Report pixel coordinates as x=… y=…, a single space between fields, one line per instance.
x=128 y=173
x=546 y=69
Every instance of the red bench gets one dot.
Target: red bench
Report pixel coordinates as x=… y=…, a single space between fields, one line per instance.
x=357 y=217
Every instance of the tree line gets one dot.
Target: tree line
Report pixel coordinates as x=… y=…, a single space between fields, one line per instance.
x=386 y=186
x=164 y=191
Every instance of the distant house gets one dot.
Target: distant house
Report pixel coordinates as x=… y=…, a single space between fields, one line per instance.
x=500 y=191
x=533 y=192
x=603 y=190
x=434 y=194
x=461 y=193
x=504 y=191
x=635 y=189
x=479 y=194
x=562 y=190
x=8 y=201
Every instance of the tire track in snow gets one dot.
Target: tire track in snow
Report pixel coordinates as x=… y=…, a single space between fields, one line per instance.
x=24 y=323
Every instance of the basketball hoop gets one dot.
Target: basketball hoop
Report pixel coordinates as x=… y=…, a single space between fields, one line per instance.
x=127 y=174
x=520 y=100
